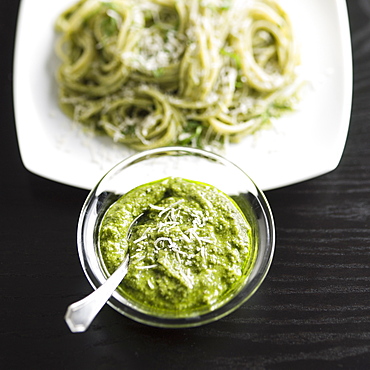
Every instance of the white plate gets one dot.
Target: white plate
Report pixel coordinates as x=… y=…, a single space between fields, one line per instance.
x=302 y=145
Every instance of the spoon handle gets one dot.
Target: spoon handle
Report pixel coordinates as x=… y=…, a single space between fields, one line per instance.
x=80 y=314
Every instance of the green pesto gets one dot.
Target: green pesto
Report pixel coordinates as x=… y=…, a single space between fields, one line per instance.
x=190 y=246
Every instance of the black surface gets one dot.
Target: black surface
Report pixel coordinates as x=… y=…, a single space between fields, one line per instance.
x=312 y=311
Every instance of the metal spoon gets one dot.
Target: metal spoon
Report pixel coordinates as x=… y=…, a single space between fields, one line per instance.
x=80 y=314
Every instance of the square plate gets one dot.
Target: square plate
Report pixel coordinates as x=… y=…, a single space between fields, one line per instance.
x=300 y=146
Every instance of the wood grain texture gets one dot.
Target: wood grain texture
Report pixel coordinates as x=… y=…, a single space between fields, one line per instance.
x=313 y=310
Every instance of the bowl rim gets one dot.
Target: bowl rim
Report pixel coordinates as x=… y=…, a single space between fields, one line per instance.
x=252 y=282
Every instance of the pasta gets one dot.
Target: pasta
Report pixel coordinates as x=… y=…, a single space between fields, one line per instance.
x=187 y=72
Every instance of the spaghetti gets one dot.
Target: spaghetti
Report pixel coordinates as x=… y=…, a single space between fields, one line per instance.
x=160 y=72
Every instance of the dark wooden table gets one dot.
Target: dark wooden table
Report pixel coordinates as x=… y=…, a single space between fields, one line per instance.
x=312 y=311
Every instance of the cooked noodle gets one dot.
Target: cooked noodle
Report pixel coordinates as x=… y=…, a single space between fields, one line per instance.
x=186 y=72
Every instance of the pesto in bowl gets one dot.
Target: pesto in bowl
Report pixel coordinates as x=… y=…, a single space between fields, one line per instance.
x=190 y=246
x=199 y=232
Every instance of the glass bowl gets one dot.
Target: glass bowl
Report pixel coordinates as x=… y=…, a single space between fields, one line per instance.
x=191 y=164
